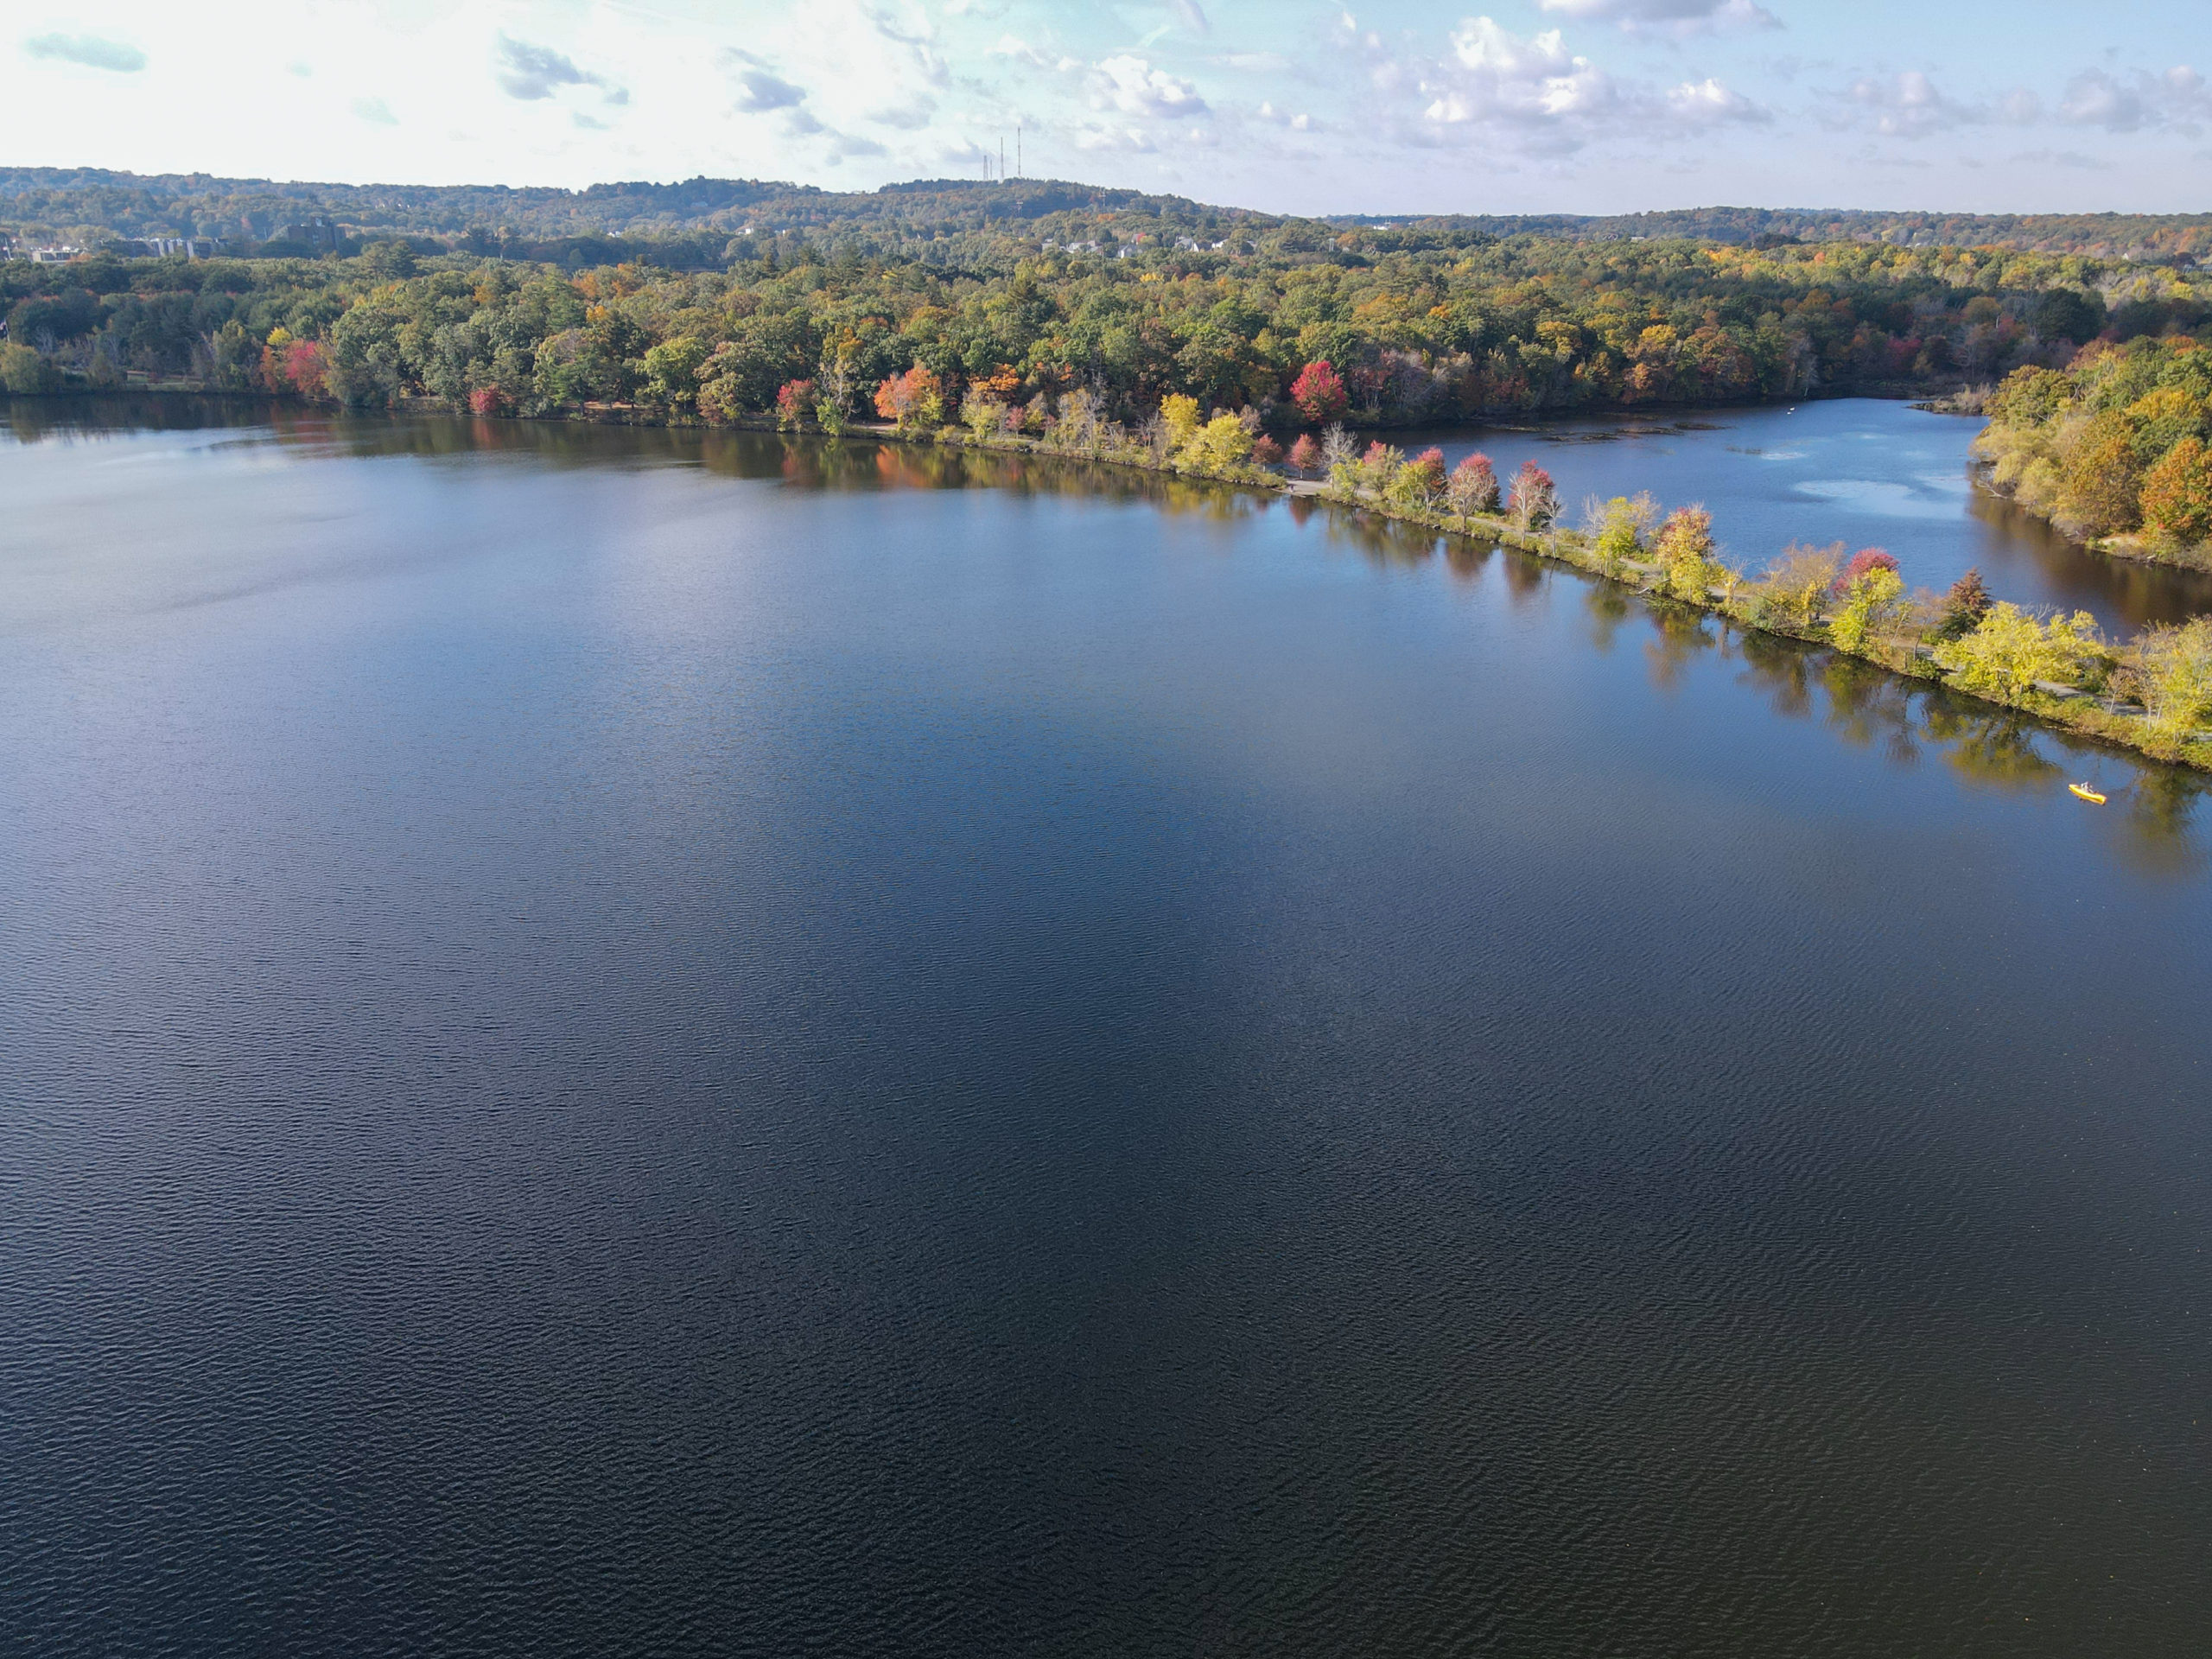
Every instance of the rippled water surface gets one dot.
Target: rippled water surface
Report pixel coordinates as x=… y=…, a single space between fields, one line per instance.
x=616 y=1043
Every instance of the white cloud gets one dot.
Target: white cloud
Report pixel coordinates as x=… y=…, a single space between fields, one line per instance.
x=90 y=50
x=1707 y=103
x=2068 y=158
x=1501 y=75
x=1911 y=105
x=1131 y=84
x=529 y=73
x=1674 y=16
x=761 y=90
x=2097 y=98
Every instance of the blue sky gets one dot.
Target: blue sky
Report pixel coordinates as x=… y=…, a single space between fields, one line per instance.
x=1519 y=105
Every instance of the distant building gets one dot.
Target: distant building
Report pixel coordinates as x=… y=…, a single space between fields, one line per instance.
x=317 y=234
x=192 y=247
x=56 y=256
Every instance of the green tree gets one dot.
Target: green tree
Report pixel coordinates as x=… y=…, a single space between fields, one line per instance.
x=672 y=372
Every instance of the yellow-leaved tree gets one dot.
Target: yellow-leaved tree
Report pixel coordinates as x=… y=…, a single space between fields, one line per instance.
x=2011 y=650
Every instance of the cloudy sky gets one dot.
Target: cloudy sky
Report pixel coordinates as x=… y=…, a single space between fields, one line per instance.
x=1583 y=105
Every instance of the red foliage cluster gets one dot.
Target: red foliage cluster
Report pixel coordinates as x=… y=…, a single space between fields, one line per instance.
x=1305 y=454
x=1865 y=560
x=1319 y=392
x=1474 y=481
x=794 y=403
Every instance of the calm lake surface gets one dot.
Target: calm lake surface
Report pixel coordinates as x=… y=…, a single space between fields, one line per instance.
x=1856 y=470
x=612 y=1041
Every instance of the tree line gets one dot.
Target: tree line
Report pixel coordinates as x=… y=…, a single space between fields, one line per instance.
x=2117 y=445
x=1490 y=327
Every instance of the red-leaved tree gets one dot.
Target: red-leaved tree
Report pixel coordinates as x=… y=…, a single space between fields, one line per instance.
x=1473 y=487
x=1428 y=469
x=1318 y=392
x=1865 y=560
x=914 y=398
x=1305 y=454
x=794 y=403
x=1535 y=502
x=307 y=368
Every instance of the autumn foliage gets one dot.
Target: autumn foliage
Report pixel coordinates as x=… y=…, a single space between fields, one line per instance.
x=1319 y=393
x=915 y=399
x=794 y=403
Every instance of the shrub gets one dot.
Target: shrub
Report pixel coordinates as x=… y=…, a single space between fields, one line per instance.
x=1267 y=451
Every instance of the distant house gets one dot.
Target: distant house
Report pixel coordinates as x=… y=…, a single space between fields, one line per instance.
x=56 y=256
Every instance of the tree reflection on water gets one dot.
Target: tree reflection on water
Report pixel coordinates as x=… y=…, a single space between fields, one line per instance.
x=2150 y=822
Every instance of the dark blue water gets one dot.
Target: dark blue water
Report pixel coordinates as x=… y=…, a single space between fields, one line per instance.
x=617 y=1043
x=1856 y=470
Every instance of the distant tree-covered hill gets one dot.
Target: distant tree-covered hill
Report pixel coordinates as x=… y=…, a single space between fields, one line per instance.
x=702 y=222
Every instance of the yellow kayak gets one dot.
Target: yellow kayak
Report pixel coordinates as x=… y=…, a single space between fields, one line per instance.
x=2087 y=793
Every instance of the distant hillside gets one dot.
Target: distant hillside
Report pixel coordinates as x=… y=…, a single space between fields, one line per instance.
x=2171 y=237
x=696 y=223
x=83 y=205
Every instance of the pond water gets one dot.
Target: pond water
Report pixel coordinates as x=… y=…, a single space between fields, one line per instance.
x=1857 y=470
x=620 y=1041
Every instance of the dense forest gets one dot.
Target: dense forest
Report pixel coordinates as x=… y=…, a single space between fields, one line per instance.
x=1432 y=321
x=2117 y=445
x=701 y=220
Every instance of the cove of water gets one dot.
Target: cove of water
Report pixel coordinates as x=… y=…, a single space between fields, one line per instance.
x=632 y=1041
x=1856 y=470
